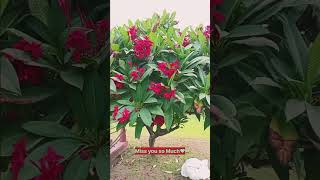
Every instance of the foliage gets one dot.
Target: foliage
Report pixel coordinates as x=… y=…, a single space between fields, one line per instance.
x=260 y=50
x=52 y=89
x=158 y=75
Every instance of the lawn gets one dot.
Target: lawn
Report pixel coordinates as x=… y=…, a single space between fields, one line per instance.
x=191 y=136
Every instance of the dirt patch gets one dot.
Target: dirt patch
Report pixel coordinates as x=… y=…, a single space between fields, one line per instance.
x=158 y=167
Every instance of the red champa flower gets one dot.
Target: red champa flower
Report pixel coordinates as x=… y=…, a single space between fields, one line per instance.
x=138 y=73
x=186 y=41
x=50 y=166
x=158 y=120
x=157 y=88
x=119 y=85
x=217 y=2
x=33 y=48
x=133 y=33
x=218 y=17
x=115 y=111
x=142 y=48
x=28 y=74
x=78 y=40
x=19 y=154
x=125 y=116
x=207 y=32
x=169 y=95
x=169 y=69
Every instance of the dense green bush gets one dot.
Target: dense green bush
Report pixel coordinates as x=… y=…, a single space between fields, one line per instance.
x=159 y=74
x=259 y=49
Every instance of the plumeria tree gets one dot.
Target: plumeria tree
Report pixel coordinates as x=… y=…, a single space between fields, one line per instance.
x=159 y=75
x=53 y=90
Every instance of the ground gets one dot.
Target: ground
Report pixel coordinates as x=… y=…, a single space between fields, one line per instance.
x=163 y=167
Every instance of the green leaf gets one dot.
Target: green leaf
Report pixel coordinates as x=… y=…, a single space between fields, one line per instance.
x=113 y=86
x=95 y=97
x=133 y=118
x=257 y=42
x=296 y=45
x=145 y=115
x=265 y=81
x=294 y=108
x=3 y=6
x=314 y=62
x=102 y=167
x=8 y=77
x=77 y=169
x=151 y=100
x=74 y=78
x=125 y=102
x=48 y=129
x=313 y=115
x=168 y=118
x=233 y=59
x=248 y=30
x=138 y=129
x=156 y=110
x=225 y=105
x=39 y=9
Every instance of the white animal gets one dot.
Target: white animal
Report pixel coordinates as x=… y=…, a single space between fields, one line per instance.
x=195 y=169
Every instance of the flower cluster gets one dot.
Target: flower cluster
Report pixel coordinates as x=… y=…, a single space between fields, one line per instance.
x=78 y=41
x=117 y=81
x=168 y=69
x=133 y=33
x=218 y=17
x=142 y=47
x=186 y=41
x=159 y=88
x=207 y=32
x=158 y=120
x=125 y=115
x=49 y=166
x=26 y=73
x=137 y=73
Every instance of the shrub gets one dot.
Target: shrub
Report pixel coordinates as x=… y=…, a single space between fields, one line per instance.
x=159 y=74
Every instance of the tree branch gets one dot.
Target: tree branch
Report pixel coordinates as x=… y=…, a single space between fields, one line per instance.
x=162 y=132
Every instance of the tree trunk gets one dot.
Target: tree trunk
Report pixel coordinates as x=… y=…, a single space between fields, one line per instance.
x=152 y=140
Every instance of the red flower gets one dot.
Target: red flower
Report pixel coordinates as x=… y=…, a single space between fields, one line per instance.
x=169 y=95
x=218 y=17
x=141 y=71
x=133 y=33
x=115 y=111
x=28 y=74
x=78 y=40
x=49 y=166
x=119 y=76
x=217 y=2
x=158 y=120
x=186 y=41
x=125 y=116
x=134 y=74
x=35 y=49
x=157 y=88
x=119 y=85
x=168 y=69
x=142 y=48
x=206 y=33
x=21 y=45
x=18 y=156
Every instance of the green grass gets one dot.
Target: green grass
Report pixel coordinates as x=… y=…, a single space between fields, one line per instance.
x=192 y=129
